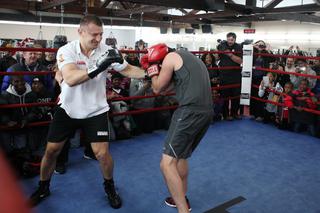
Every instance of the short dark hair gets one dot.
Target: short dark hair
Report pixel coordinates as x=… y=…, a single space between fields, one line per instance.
x=289 y=83
x=16 y=77
x=301 y=60
x=91 y=19
x=203 y=57
x=231 y=34
x=305 y=80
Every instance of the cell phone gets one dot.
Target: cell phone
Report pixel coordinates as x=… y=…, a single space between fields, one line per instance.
x=266 y=81
x=302 y=69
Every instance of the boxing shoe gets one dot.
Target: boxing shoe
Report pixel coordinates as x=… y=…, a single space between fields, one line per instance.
x=113 y=197
x=40 y=194
x=170 y=202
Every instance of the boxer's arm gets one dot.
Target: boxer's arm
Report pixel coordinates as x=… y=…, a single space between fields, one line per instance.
x=133 y=72
x=170 y=63
x=169 y=89
x=72 y=75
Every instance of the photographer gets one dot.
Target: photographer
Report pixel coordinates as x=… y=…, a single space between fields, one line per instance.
x=303 y=67
x=281 y=78
x=230 y=76
x=256 y=107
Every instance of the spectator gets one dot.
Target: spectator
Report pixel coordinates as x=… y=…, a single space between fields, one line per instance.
x=210 y=61
x=303 y=98
x=230 y=76
x=28 y=63
x=266 y=90
x=217 y=106
x=3 y=112
x=42 y=96
x=281 y=78
x=318 y=121
x=163 y=117
x=290 y=65
x=44 y=113
x=116 y=91
x=40 y=54
x=146 y=121
x=19 y=92
x=132 y=59
x=316 y=68
x=303 y=68
x=256 y=107
x=291 y=51
x=122 y=124
x=5 y=62
x=282 y=116
x=139 y=46
x=49 y=60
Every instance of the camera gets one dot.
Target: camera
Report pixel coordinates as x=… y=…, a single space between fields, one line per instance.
x=223 y=45
x=262 y=46
x=301 y=69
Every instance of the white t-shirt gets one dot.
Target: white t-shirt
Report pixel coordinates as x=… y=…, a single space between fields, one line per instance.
x=88 y=98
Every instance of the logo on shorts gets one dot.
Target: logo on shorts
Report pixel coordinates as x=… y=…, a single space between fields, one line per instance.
x=102 y=133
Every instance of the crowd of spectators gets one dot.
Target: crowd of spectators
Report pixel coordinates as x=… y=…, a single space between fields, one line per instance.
x=293 y=93
x=289 y=93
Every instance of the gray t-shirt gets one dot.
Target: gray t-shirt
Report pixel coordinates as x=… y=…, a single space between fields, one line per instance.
x=192 y=83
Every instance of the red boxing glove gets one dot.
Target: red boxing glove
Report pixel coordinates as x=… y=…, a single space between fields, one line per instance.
x=156 y=53
x=144 y=62
x=153 y=70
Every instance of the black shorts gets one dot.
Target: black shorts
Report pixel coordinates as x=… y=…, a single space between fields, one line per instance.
x=62 y=127
x=186 y=130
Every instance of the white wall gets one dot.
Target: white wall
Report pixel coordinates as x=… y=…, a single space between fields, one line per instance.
x=191 y=41
x=279 y=34
x=285 y=33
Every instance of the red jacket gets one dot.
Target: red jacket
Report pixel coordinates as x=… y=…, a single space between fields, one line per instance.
x=297 y=96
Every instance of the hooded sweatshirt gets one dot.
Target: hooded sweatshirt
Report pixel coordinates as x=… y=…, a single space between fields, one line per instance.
x=20 y=113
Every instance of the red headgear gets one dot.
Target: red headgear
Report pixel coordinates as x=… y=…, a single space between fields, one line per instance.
x=156 y=53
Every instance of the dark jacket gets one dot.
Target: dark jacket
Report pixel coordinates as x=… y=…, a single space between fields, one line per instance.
x=45 y=113
x=230 y=76
x=21 y=66
x=261 y=61
x=20 y=114
x=303 y=116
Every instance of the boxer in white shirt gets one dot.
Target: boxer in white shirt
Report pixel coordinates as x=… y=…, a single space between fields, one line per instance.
x=83 y=103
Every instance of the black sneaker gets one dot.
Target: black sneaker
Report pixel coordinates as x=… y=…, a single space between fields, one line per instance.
x=60 y=169
x=113 y=197
x=170 y=202
x=40 y=194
